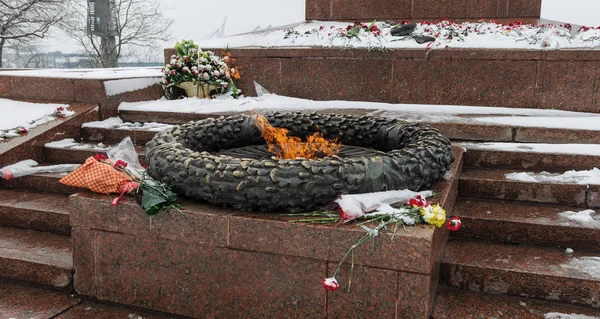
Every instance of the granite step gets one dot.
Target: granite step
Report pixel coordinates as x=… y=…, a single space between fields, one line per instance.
x=454 y=130
x=47 y=182
x=530 y=223
x=79 y=152
x=454 y=303
x=478 y=155
x=520 y=134
x=115 y=135
x=174 y=118
x=527 y=271
x=35 y=210
x=493 y=184
x=36 y=257
x=21 y=302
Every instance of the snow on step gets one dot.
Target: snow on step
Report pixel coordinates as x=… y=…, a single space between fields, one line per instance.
x=520 y=222
x=70 y=143
x=115 y=87
x=36 y=257
x=409 y=112
x=585 y=177
x=492 y=183
x=28 y=114
x=572 y=149
x=535 y=272
x=117 y=123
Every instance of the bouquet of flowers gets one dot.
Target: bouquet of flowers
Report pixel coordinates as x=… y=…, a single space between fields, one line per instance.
x=121 y=172
x=200 y=73
x=384 y=211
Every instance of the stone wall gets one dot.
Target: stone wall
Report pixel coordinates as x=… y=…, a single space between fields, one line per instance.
x=556 y=79
x=218 y=263
x=65 y=90
x=421 y=9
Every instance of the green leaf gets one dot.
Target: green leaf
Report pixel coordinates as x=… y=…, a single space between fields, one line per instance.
x=155 y=199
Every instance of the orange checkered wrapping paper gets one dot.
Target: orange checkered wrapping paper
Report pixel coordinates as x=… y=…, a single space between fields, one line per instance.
x=97 y=177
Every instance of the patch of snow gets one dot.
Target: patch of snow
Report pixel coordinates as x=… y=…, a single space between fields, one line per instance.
x=99 y=74
x=586 y=264
x=276 y=102
x=569 y=251
x=575 y=149
x=480 y=35
x=29 y=166
x=574 y=177
x=583 y=218
x=399 y=213
x=72 y=144
x=108 y=123
x=549 y=122
x=557 y=315
x=115 y=87
x=19 y=113
x=117 y=123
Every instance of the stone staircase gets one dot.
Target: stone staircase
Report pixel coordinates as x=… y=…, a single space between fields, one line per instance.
x=36 y=249
x=511 y=248
x=511 y=252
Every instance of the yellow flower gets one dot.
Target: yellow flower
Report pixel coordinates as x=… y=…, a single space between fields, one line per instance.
x=434 y=215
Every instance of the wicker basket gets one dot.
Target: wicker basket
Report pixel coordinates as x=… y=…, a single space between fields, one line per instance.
x=199 y=90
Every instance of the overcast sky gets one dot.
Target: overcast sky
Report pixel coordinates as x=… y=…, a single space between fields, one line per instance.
x=196 y=19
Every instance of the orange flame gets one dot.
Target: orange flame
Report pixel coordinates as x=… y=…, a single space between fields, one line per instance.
x=290 y=147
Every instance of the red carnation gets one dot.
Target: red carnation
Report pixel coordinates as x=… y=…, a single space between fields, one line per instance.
x=120 y=164
x=22 y=130
x=374 y=28
x=453 y=224
x=330 y=284
x=100 y=157
x=418 y=201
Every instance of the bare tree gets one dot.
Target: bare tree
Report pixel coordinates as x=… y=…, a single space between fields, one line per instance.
x=25 y=20
x=137 y=24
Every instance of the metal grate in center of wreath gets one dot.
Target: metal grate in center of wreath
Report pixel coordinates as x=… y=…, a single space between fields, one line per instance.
x=260 y=152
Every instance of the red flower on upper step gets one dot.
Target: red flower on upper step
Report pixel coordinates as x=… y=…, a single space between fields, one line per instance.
x=453 y=224
x=21 y=130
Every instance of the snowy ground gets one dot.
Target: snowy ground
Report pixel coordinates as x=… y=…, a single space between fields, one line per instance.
x=410 y=112
x=447 y=34
x=26 y=115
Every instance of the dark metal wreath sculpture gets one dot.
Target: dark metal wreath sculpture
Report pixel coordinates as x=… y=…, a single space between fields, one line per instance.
x=200 y=160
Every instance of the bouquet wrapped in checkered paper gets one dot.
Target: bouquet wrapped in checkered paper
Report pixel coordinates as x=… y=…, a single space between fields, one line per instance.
x=98 y=177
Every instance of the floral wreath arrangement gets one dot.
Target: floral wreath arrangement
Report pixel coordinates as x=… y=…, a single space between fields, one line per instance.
x=120 y=172
x=200 y=73
x=59 y=112
x=444 y=33
x=383 y=215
